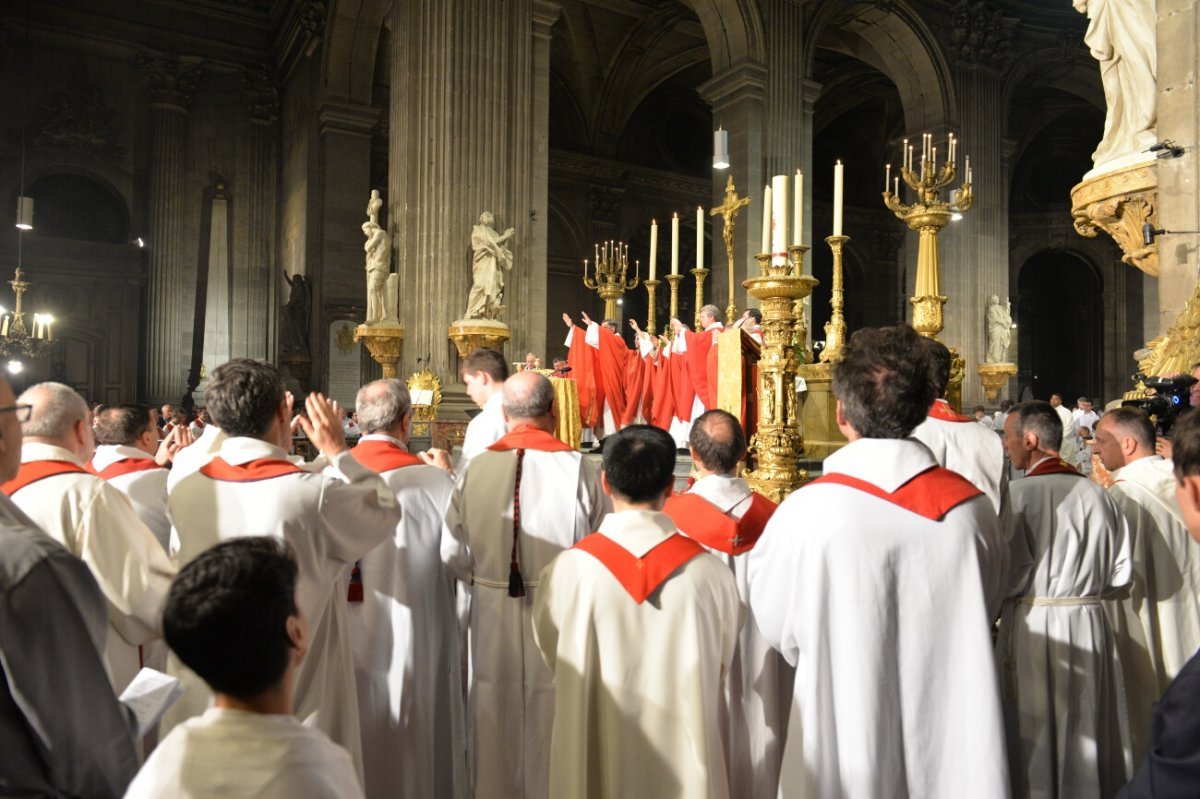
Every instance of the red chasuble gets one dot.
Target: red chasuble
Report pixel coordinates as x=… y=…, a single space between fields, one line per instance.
x=383 y=456
x=636 y=386
x=698 y=347
x=124 y=466
x=611 y=357
x=942 y=410
x=663 y=406
x=642 y=576
x=32 y=471
x=681 y=384
x=933 y=493
x=1053 y=466
x=249 y=472
x=582 y=360
x=529 y=437
x=705 y=522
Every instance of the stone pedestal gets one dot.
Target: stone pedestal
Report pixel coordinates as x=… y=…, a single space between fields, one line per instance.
x=818 y=412
x=994 y=377
x=383 y=341
x=471 y=334
x=1120 y=203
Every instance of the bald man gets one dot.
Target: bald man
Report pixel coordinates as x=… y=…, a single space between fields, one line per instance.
x=1157 y=625
x=519 y=503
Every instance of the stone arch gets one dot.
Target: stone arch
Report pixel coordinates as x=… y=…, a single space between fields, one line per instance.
x=71 y=203
x=732 y=37
x=913 y=61
x=351 y=40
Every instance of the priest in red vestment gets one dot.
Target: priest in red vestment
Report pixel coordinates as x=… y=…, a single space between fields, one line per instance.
x=602 y=352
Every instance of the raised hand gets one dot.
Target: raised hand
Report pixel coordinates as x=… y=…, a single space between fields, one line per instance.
x=324 y=425
x=587 y=320
x=567 y=320
x=439 y=458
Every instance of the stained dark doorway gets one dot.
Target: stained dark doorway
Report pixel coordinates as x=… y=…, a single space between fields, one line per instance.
x=1060 y=326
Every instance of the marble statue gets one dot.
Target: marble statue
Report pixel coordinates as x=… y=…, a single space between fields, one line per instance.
x=293 y=333
x=379 y=259
x=490 y=260
x=373 y=206
x=999 y=330
x=1121 y=36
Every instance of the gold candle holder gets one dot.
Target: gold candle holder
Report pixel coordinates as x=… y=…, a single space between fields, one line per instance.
x=674 y=281
x=609 y=279
x=835 y=328
x=700 y=273
x=651 y=310
x=796 y=253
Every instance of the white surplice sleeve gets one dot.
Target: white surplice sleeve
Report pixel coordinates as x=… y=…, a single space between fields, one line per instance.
x=358 y=508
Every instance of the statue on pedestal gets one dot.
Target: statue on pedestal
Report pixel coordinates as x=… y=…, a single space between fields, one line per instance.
x=293 y=332
x=999 y=330
x=379 y=261
x=1121 y=35
x=490 y=255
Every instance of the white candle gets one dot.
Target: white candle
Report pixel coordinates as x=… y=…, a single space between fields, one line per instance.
x=653 y=250
x=904 y=154
x=887 y=178
x=798 y=209
x=699 y=237
x=766 y=225
x=585 y=268
x=910 y=158
x=967 y=168
x=837 y=199
x=897 y=190
x=933 y=159
x=675 y=244
x=779 y=191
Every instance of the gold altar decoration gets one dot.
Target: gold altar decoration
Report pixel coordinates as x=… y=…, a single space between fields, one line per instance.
x=699 y=274
x=383 y=341
x=17 y=341
x=1120 y=203
x=1175 y=351
x=469 y=335
x=928 y=215
x=777 y=444
x=651 y=310
x=566 y=399
x=994 y=376
x=674 y=281
x=425 y=388
x=835 y=328
x=818 y=412
x=728 y=212
x=805 y=354
x=609 y=279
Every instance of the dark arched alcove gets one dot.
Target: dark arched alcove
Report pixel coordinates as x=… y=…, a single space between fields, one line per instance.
x=71 y=206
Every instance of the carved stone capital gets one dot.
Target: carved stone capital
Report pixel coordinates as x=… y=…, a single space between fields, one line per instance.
x=170 y=80
x=260 y=91
x=1120 y=203
x=981 y=35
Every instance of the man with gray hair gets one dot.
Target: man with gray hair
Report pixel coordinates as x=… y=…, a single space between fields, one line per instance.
x=694 y=371
x=1069 y=548
x=403 y=627
x=93 y=520
x=526 y=498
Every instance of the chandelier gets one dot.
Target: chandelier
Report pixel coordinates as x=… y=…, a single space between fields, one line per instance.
x=16 y=340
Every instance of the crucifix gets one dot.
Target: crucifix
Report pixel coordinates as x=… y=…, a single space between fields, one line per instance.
x=729 y=211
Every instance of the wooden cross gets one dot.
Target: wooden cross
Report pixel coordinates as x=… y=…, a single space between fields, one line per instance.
x=728 y=211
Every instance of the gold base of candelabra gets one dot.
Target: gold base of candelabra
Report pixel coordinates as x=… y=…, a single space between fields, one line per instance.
x=471 y=334
x=383 y=341
x=927 y=314
x=835 y=328
x=674 y=281
x=651 y=309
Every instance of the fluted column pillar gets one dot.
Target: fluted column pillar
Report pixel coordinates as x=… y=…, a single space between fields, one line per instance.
x=170 y=84
x=468 y=133
x=256 y=315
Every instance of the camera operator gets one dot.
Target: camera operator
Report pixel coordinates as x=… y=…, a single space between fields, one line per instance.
x=1162 y=443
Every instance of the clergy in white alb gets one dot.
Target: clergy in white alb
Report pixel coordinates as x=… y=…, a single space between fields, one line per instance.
x=873 y=582
x=516 y=506
x=93 y=520
x=234 y=618
x=194 y=454
x=1064 y=705
x=483 y=372
x=638 y=625
x=1157 y=623
x=331 y=518
x=403 y=627
x=721 y=512
x=126 y=445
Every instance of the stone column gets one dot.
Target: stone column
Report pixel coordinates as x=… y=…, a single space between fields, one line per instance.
x=170 y=84
x=738 y=99
x=468 y=133
x=256 y=310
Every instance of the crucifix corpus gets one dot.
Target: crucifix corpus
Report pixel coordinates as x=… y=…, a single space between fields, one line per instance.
x=728 y=211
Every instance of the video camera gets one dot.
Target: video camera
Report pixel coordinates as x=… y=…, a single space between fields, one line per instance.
x=1171 y=399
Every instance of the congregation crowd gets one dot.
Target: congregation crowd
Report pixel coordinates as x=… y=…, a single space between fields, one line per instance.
x=952 y=609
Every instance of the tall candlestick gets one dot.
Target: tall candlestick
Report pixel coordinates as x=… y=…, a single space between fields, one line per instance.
x=699 y=237
x=653 y=250
x=766 y=227
x=779 y=195
x=675 y=244
x=837 y=198
x=798 y=210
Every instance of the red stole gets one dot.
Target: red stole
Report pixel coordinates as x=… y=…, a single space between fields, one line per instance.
x=582 y=359
x=663 y=406
x=249 y=472
x=700 y=519
x=383 y=456
x=642 y=576
x=611 y=358
x=681 y=383
x=528 y=437
x=636 y=385
x=942 y=410
x=698 y=347
x=32 y=471
x=1053 y=466
x=933 y=493
x=123 y=467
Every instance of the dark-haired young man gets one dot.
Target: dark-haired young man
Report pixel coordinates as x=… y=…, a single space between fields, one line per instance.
x=232 y=616
x=1069 y=548
x=484 y=372
x=638 y=624
x=126 y=446
x=721 y=512
x=330 y=518
x=1172 y=769
x=878 y=582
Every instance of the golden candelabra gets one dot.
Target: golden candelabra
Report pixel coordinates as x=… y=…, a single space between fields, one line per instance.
x=798 y=311
x=15 y=339
x=835 y=328
x=928 y=215
x=699 y=274
x=728 y=212
x=609 y=279
x=674 y=281
x=651 y=310
x=777 y=444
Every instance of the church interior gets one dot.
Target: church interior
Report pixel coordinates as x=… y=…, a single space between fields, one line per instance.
x=198 y=171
